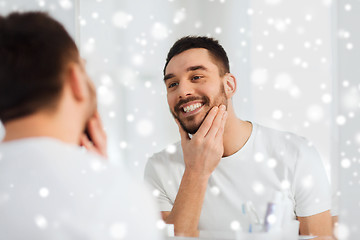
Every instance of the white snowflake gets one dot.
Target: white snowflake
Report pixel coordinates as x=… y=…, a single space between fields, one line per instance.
x=259 y=76
x=137 y=59
x=82 y=21
x=198 y=24
x=272 y=163
x=285 y=184
x=341 y=231
x=250 y=12
x=277 y=114
x=357 y=138
x=121 y=19
x=118 y=230
x=327 y=3
x=345 y=163
x=273 y=2
x=156 y=193
x=180 y=16
x=218 y=30
x=342 y=33
x=41 y=222
x=106 y=80
x=283 y=81
x=105 y=95
x=44 y=192
x=89 y=46
x=235 y=226
x=96 y=165
x=159 y=31
x=340 y=120
x=41 y=3
x=160 y=224
x=144 y=127
x=347 y=7
x=130 y=117
x=147 y=84
x=315 y=113
x=326 y=98
x=351 y=99
x=281 y=25
x=65 y=4
x=171 y=149
x=95 y=15
x=271 y=219
x=258 y=188
x=308 y=181
x=215 y=190
x=349 y=46
x=123 y=144
x=259 y=157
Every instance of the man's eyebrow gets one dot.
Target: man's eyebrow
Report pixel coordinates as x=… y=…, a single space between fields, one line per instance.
x=189 y=69
x=168 y=76
x=198 y=67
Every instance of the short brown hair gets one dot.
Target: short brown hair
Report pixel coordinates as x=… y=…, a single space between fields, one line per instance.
x=216 y=51
x=34 y=50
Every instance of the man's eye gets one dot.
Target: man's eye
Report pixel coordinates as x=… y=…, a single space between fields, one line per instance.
x=196 y=78
x=173 y=85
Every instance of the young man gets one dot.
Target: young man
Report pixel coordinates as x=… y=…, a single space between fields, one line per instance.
x=50 y=188
x=226 y=162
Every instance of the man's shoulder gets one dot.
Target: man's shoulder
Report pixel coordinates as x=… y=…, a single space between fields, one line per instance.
x=46 y=155
x=289 y=145
x=277 y=136
x=167 y=158
x=172 y=151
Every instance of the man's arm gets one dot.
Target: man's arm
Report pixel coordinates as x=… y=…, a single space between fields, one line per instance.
x=317 y=225
x=202 y=153
x=185 y=214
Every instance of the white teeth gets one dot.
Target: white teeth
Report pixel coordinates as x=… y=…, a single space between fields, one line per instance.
x=192 y=107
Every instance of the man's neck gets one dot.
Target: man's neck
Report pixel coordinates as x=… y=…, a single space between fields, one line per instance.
x=40 y=125
x=236 y=134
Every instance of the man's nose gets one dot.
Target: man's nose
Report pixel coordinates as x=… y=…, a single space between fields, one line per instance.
x=185 y=89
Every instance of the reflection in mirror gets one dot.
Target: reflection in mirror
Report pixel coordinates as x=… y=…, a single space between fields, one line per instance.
x=280 y=54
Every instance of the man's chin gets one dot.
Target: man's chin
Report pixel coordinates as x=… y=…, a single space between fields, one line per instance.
x=192 y=123
x=190 y=129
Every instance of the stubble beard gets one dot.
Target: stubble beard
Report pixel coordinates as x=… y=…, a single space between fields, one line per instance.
x=206 y=101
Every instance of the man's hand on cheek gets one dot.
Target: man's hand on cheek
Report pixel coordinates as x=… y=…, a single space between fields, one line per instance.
x=202 y=153
x=98 y=143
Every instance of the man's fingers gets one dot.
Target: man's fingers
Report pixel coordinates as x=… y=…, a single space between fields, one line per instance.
x=222 y=126
x=97 y=135
x=85 y=142
x=96 y=132
x=184 y=135
x=206 y=125
x=216 y=124
x=98 y=119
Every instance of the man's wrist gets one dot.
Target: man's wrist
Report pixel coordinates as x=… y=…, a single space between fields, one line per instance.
x=196 y=175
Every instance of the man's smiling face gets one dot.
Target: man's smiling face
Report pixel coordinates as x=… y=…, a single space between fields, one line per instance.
x=194 y=86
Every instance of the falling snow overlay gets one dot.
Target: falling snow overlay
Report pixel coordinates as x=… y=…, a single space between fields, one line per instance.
x=282 y=54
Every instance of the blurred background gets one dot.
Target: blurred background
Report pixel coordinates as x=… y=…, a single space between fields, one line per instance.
x=295 y=63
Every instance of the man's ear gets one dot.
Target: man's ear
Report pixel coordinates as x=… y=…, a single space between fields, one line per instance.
x=229 y=85
x=76 y=81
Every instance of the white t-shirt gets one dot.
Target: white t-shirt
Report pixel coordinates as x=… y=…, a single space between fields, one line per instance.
x=271 y=161
x=53 y=190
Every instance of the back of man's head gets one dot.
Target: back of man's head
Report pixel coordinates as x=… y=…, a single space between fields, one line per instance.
x=34 y=51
